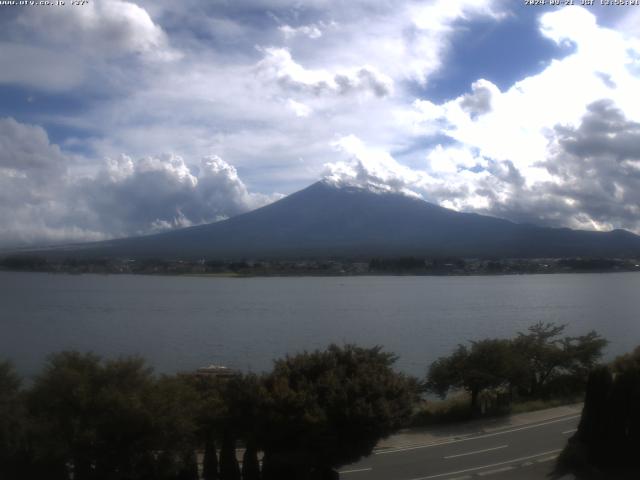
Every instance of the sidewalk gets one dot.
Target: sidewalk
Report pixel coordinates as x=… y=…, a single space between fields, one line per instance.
x=442 y=433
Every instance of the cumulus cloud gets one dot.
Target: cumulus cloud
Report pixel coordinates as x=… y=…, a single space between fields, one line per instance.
x=593 y=176
x=111 y=27
x=598 y=165
x=43 y=199
x=69 y=47
x=156 y=193
x=478 y=102
x=516 y=125
x=25 y=149
x=278 y=65
x=370 y=168
x=33 y=176
x=311 y=31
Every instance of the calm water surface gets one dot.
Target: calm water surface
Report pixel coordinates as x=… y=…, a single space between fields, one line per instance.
x=181 y=323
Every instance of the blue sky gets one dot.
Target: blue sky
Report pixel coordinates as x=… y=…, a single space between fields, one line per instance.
x=122 y=118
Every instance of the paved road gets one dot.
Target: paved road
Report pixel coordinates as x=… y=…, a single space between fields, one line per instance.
x=526 y=451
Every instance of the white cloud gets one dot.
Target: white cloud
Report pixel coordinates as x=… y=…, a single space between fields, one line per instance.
x=370 y=168
x=278 y=65
x=44 y=198
x=300 y=109
x=517 y=124
x=25 y=149
x=111 y=27
x=312 y=31
x=63 y=48
x=138 y=196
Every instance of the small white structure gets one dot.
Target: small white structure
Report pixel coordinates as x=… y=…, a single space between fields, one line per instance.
x=217 y=371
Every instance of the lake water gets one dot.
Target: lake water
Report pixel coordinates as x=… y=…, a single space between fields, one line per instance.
x=182 y=323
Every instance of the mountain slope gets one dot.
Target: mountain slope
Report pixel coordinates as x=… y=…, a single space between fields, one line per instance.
x=323 y=221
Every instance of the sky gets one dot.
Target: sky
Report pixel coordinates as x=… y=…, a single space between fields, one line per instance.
x=122 y=118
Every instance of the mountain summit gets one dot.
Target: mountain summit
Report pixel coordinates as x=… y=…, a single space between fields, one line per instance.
x=325 y=220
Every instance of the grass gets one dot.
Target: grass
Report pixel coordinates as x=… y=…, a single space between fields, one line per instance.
x=457 y=408
x=533 y=405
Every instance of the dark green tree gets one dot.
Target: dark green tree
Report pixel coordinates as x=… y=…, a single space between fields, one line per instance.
x=546 y=356
x=607 y=442
x=486 y=364
x=112 y=420
x=13 y=427
x=175 y=405
x=229 y=468
x=210 y=417
x=329 y=408
x=244 y=397
x=210 y=458
x=250 y=464
x=62 y=407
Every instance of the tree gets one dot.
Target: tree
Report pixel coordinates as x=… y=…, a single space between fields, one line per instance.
x=12 y=423
x=328 y=408
x=112 y=420
x=175 y=405
x=210 y=414
x=539 y=362
x=244 y=400
x=545 y=355
x=487 y=364
x=229 y=468
x=61 y=404
x=210 y=459
x=607 y=442
x=541 y=352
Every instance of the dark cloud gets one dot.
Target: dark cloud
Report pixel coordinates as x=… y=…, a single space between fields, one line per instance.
x=598 y=168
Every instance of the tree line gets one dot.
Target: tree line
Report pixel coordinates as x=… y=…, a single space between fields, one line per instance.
x=538 y=363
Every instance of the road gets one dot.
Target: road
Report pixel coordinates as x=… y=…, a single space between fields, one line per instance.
x=526 y=451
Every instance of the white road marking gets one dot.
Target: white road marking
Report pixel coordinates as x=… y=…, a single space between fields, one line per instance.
x=355 y=471
x=546 y=459
x=477 y=437
x=514 y=460
x=477 y=451
x=570 y=431
x=496 y=470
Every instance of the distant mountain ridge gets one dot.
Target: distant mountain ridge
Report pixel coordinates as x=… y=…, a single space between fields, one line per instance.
x=325 y=221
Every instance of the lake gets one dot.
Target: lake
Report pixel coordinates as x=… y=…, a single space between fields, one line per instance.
x=182 y=323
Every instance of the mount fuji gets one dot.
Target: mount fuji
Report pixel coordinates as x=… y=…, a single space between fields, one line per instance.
x=326 y=220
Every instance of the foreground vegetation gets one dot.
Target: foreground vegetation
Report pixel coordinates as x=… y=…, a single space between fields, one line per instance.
x=607 y=443
x=87 y=418
x=93 y=419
